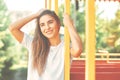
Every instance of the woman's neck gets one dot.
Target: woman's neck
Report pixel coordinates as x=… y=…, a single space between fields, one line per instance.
x=54 y=42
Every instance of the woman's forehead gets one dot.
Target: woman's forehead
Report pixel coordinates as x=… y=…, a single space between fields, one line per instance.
x=46 y=18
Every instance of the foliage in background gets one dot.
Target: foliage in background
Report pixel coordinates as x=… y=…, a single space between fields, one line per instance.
x=113 y=29
x=5 y=42
x=10 y=52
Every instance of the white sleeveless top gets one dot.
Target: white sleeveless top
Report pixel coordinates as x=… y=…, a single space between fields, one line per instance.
x=54 y=69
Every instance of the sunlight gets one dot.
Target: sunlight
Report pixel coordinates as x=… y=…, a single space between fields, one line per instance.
x=109 y=8
x=24 y=5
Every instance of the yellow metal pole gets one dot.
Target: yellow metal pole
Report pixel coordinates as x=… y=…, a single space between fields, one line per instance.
x=49 y=4
x=90 y=40
x=56 y=7
x=67 y=44
x=45 y=3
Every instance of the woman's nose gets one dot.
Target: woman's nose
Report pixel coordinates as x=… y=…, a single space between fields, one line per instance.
x=47 y=26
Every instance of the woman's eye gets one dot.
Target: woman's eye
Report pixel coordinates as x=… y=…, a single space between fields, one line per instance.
x=41 y=25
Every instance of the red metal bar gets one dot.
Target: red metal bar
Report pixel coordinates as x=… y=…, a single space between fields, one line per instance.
x=109 y=0
x=103 y=0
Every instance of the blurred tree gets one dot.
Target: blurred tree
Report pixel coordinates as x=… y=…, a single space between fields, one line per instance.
x=101 y=31
x=11 y=54
x=114 y=33
x=6 y=72
x=108 y=32
x=5 y=42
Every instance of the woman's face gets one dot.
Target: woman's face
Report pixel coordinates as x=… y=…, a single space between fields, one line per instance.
x=49 y=26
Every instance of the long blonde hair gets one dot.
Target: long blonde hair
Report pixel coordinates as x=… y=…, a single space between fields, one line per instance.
x=41 y=45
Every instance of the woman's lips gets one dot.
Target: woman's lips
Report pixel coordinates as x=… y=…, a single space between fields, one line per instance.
x=49 y=31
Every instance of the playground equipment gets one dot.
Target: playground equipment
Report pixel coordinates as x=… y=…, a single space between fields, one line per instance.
x=88 y=69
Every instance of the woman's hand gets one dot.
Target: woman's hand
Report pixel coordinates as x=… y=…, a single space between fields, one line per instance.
x=16 y=26
x=39 y=12
x=67 y=21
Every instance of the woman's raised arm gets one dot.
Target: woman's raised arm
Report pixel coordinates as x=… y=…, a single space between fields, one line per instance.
x=17 y=25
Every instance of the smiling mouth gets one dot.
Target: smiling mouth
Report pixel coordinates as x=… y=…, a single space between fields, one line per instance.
x=49 y=32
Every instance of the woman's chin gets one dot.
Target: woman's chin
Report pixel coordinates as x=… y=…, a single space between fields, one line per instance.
x=50 y=36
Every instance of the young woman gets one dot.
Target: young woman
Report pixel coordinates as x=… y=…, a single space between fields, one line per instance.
x=46 y=49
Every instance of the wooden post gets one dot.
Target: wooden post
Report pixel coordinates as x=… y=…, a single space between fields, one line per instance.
x=67 y=44
x=90 y=40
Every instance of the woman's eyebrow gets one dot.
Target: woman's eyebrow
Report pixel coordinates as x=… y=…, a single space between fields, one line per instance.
x=51 y=20
x=41 y=24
